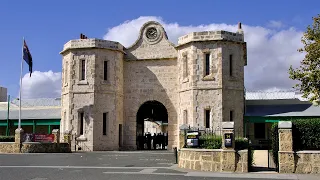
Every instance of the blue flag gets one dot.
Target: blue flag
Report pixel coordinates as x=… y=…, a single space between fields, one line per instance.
x=27 y=56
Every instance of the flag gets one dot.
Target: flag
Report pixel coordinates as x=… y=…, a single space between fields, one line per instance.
x=27 y=56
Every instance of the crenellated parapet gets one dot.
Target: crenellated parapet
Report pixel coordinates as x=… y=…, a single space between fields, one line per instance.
x=213 y=36
x=92 y=43
x=210 y=36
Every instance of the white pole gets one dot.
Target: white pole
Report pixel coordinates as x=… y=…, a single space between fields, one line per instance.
x=19 y=124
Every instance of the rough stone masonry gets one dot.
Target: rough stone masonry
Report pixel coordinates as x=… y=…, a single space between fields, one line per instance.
x=101 y=79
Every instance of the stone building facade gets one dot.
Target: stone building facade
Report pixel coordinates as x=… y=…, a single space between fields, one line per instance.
x=107 y=88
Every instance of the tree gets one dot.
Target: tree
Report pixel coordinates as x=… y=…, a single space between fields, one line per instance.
x=309 y=71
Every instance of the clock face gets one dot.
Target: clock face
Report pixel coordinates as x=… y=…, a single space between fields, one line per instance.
x=151 y=33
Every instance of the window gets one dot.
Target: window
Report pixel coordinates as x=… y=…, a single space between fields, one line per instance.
x=259 y=130
x=83 y=69
x=66 y=72
x=231 y=116
x=207 y=117
x=185 y=117
x=185 y=66
x=105 y=124
x=230 y=65
x=105 y=70
x=81 y=123
x=207 y=65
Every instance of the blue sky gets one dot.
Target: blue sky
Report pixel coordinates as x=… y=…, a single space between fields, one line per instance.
x=47 y=25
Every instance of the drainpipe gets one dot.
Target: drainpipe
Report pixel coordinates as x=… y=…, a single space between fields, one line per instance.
x=7 y=129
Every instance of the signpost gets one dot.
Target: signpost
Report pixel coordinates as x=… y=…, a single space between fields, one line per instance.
x=228 y=140
x=193 y=139
x=29 y=137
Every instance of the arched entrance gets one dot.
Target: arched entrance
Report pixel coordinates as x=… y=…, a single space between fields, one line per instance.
x=152 y=123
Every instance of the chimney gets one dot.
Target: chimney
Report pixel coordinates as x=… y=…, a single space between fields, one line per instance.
x=239 y=25
x=240 y=31
x=82 y=36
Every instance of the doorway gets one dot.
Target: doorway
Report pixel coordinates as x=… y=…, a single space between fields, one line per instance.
x=152 y=126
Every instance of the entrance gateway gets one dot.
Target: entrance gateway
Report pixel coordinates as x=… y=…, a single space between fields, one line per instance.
x=152 y=126
x=112 y=95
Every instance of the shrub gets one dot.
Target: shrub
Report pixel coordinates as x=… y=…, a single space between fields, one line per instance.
x=215 y=142
x=275 y=143
x=250 y=158
x=210 y=142
x=241 y=143
x=6 y=138
x=306 y=134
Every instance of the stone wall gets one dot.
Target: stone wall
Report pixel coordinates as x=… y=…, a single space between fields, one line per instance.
x=303 y=162
x=11 y=147
x=233 y=84
x=218 y=92
x=108 y=98
x=94 y=95
x=215 y=160
x=34 y=147
x=242 y=161
x=211 y=35
x=146 y=81
x=45 y=148
x=307 y=162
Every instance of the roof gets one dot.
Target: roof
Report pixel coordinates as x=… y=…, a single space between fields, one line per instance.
x=275 y=95
x=282 y=103
x=42 y=108
x=49 y=113
x=283 y=110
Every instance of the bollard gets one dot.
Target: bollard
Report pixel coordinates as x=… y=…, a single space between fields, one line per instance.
x=176 y=154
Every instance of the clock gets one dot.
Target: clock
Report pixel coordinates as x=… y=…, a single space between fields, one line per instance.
x=152 y=33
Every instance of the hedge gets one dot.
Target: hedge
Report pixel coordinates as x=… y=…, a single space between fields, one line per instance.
x=6 y=138
x=210 y=142
x=275 y=143
x=305 y=134
x=215 y=142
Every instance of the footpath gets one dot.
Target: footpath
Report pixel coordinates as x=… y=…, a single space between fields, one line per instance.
x=251 y=175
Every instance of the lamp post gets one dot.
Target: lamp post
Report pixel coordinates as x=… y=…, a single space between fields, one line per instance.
x=8 y=113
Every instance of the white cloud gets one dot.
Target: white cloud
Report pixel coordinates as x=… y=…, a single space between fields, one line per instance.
x=275 y=24
x=41 y=85
x=270 y=54
x=270 y=51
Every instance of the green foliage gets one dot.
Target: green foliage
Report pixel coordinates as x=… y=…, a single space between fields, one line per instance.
x=309 y=71
x=306 y=134
x=241 y=143
x=215 y=142
x=275 y=143
x=6 y=138
x=250 y=157
x=210 y=142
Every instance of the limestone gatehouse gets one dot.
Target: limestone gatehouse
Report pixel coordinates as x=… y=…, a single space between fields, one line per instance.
x=109 y=91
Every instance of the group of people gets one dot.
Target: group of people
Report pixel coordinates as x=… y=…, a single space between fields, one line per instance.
x=155 y=141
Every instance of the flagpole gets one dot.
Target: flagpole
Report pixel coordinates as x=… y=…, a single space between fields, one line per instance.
x=19 y=124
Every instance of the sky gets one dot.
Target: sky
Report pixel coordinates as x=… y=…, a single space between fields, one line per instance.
x=273 y=31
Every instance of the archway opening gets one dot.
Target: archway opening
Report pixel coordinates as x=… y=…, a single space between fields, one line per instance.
x=152 y=124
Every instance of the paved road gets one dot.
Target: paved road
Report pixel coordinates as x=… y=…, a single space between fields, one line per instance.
x=134 y=165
